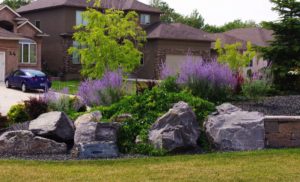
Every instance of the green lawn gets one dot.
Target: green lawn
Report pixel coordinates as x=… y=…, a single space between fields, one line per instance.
x=269 y=165
x=72 y=85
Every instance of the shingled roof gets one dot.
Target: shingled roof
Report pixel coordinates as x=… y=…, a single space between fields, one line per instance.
x=176 y=31
x=257 y=36
x=125 y=5
x=7 y=35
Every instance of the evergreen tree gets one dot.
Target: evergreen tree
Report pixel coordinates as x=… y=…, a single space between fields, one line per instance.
x=284 y=51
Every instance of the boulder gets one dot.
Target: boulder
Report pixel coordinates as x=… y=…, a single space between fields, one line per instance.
x=231 y=129
x=16 y=127
x=24 y=142
x=89 y=117
x=88 y=132
x=96 y=150
x=178 y=129
x=53 y=125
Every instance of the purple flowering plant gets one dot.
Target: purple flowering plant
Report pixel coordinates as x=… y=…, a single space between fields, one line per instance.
x=104 y=91
x=204 y=78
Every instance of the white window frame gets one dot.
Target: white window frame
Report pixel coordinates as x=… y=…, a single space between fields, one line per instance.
x=28 y=43
x=145 y=19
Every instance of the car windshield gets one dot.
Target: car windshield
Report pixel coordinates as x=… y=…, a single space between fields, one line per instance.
x=34 y=73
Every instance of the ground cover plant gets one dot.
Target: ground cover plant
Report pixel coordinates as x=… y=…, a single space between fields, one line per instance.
x=267 y=165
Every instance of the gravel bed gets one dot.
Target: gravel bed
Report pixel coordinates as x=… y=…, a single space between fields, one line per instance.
x=277 y=105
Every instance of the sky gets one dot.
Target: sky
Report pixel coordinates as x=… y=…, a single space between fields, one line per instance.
x=218 y=12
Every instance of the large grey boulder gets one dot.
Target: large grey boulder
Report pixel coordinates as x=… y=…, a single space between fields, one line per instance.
x=231 y=129
x=96 y=150
x=26 y=143
x=94 y=139
x=53 y=125
x=178 y=129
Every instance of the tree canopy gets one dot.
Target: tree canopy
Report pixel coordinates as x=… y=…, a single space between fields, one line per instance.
x=108 y=41
x=15 y=4
x=284 y=51
x=196 y=20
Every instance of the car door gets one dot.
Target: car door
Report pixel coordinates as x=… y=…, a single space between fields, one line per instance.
x=19 y=78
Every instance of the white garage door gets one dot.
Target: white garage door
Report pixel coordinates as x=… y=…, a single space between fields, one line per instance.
x=175 y=61
x=2 y=66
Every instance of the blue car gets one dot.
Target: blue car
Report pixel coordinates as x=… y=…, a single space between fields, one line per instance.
x=28 y=79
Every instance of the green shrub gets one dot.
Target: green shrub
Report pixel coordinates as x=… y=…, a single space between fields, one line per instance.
x=17 y=114
x=145 y=109
x=256 y=89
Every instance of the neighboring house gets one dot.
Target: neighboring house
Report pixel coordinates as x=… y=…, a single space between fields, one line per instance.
x=257 y=36
x=167 y=43
x=20 y=42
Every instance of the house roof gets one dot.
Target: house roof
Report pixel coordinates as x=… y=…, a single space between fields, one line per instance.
x=176 y=31
x=7 y=35
x=107 y=4
x=257 y=36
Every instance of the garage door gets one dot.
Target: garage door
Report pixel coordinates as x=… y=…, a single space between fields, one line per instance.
x=175 y=61
x=2 y=66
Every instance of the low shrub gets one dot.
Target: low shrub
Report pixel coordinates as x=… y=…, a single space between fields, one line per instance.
x=145 y=109
x=34 y=107
x=17 y=114
x=256 y=89
x=62 y=101
x=106 y=91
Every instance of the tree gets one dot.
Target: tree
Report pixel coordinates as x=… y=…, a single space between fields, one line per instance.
x=15 y=4
x=169 y=15
x=231 y=54
x=230 y=26
x=109 y=41
x=284 y=51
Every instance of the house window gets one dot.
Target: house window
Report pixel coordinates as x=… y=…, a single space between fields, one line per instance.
x=27 y=52
x=38 y=24
x=142 y=62
x=75 y=56
x=79 y=19
x=145 y=19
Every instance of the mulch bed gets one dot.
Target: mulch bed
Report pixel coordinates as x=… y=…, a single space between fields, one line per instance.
x=277 y=105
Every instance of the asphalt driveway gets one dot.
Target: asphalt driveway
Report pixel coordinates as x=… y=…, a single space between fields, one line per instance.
x=9 y=97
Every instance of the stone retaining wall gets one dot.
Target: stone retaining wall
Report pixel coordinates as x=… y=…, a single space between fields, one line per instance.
x=282 y=131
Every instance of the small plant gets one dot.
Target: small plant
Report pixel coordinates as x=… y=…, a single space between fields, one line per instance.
x=62 y=101
x=256 y=89
x=34 y=107
x=106 y=91
x=17 y=114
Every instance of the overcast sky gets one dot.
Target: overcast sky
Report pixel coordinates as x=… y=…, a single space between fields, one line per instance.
x=218 y=12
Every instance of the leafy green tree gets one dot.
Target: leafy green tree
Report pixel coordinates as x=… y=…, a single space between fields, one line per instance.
x=284 y=51
x=230 y=26
x=169 y=15
x=108 y=41
x=232 y=55
x=15 y=4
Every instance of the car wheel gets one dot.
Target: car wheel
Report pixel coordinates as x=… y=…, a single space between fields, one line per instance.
x=7 y=85
x=23 y=87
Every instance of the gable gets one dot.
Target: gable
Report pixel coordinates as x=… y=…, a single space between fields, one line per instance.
x=27 y=30
x=7 y=15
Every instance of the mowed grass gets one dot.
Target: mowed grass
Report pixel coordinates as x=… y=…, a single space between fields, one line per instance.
x=71 y=85
x=268 y=165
